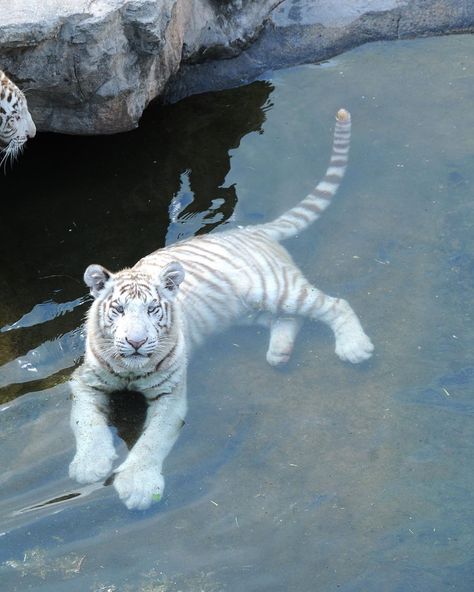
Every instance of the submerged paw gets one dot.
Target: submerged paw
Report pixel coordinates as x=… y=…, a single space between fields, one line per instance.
x=278 y=358
x=138 y=487
x=354 y=348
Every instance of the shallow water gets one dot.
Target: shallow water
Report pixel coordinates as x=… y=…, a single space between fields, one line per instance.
x=323 y=476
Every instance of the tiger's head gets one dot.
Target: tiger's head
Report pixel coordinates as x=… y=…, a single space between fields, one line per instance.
x=132 y=321
x=16 y=123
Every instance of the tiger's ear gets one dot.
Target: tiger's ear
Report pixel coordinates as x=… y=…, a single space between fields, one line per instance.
x=170 y=278
x=96 y=277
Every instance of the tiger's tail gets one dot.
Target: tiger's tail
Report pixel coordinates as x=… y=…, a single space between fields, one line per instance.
x=310 y=208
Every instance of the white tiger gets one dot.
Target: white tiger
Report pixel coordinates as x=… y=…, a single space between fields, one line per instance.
x=145 y=320
x=16 y=123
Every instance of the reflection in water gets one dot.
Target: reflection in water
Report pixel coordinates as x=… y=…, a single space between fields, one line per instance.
x=45 y=360
x=200 y=149
x=52 y=503
x=44 y=311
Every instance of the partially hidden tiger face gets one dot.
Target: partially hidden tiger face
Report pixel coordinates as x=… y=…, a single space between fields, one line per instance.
x=133 y=314
x=16 y=123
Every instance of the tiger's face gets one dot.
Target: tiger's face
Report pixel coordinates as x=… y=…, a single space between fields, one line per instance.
x=134 y=313
x=16 y=123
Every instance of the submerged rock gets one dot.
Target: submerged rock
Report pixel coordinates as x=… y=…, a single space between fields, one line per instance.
x=92 y=66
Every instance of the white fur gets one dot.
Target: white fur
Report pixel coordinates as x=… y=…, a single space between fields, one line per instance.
x=16 y=123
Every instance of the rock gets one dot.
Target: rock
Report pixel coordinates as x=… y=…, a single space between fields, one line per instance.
x=92 y=66
x=305 y=31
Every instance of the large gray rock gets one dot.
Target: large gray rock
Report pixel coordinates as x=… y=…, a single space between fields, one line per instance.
x=303 y=31
x=92 y=66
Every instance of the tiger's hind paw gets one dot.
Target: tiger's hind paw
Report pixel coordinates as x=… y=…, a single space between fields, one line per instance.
x=278 y=358
x=354 y=347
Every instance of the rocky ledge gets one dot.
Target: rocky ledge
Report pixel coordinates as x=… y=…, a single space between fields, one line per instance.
x=92 y=66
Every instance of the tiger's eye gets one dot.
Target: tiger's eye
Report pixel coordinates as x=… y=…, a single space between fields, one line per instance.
x=118 y=308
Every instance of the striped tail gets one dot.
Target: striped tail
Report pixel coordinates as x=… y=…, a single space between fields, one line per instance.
x=309 y=210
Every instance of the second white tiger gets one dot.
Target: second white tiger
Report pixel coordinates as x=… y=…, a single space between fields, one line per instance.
x=145 y=320
x=16 y=124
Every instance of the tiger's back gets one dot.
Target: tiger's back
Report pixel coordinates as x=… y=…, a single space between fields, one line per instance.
x=230 y=277
x=245 y=275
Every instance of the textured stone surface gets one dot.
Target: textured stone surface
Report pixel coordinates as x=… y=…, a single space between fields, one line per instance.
x=304 y=31
x=329 y=13
x=92 y=66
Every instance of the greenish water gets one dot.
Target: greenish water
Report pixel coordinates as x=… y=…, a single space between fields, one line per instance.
x=323 y=476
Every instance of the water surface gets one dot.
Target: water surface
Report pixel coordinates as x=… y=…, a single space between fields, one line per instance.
x=323 y=476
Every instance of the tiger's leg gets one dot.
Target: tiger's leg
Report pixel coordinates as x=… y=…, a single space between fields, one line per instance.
x=352 y=344
x=95 y=450
x=283 y=332
x=139 y=479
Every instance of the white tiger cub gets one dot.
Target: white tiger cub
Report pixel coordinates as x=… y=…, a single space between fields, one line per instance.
x=145 y=320
x=16 y=123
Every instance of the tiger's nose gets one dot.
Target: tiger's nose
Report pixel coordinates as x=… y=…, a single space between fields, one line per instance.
x=136 y=344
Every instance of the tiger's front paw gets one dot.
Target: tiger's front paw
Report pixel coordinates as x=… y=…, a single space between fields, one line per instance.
x=138 y=486
x=92 y=464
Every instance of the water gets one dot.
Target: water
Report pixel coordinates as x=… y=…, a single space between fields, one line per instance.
x=323 y=476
